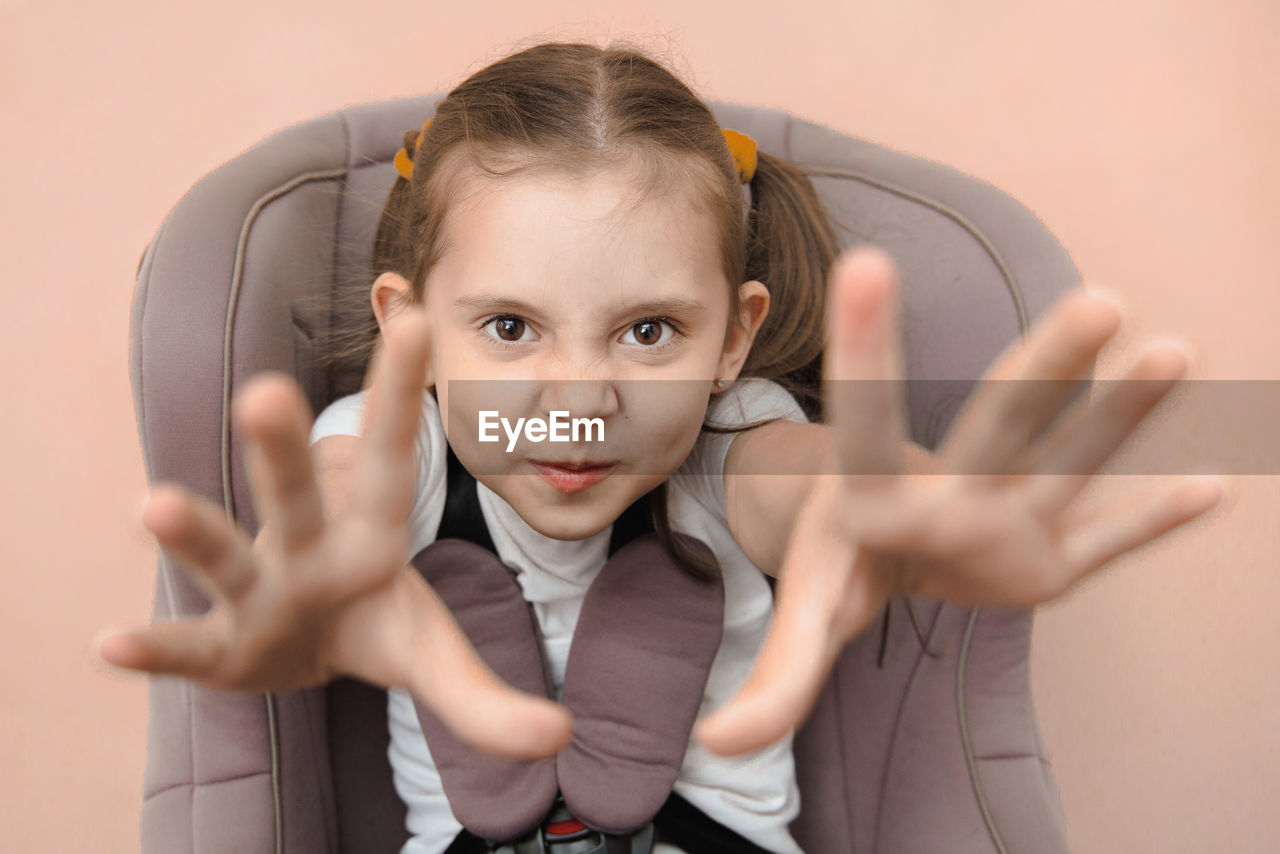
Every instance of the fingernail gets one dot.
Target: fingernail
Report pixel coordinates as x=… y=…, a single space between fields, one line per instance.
x=96 y=645
x=1207 y=474
x=1184 y=346
x=1108 y=295
x=1212 y=486
x=872 y=250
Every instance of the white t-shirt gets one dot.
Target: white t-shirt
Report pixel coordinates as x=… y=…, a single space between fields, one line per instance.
x=755 y=793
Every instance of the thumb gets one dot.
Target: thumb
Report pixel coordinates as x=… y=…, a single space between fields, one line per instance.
x=490 y=715
x=801 y=647
x=776 y=697
x=476 y=704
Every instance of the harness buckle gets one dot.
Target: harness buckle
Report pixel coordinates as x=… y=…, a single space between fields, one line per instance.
x=561 y=833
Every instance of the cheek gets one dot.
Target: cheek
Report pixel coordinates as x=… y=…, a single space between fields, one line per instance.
x=499 y=399
x=665 y=419
x=461 y=409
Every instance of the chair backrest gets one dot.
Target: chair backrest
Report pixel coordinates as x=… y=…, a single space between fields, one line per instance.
x=905 y=751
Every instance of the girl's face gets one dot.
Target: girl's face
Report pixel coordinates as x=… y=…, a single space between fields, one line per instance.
x=552 y=296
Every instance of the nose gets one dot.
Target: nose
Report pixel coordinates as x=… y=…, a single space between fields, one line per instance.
x=581 y=398
x=583 y=393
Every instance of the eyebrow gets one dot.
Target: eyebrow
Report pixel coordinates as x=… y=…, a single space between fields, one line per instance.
x=668 y=305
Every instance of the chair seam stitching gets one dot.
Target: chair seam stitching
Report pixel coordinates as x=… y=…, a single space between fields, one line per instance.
x=893 y=741
x=966 y=741
x=1010 y=284
x=1001 y=756
x=228 y=499
x=844 y=783
x=195 y=783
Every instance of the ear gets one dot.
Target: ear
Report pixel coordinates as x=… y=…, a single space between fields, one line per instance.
x=390 y=295
x=753 y=307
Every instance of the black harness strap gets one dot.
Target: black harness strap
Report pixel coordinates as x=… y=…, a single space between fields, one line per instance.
x=464 y=519
x=683 y=825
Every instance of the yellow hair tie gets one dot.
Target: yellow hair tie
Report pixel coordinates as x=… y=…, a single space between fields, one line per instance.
x=743 y=149
x=404 y=163
x=741 y=146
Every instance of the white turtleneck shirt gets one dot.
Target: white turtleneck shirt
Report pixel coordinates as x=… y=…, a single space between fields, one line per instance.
x=755 y=793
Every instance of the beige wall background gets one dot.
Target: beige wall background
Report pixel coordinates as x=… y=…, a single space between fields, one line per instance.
x=1145 y=134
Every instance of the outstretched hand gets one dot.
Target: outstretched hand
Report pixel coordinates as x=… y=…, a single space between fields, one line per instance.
x=320 y=595
x=993 y=523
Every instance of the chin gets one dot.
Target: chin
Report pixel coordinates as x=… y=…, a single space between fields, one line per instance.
x=567 y=522
x=576 y=516
x=561 y=529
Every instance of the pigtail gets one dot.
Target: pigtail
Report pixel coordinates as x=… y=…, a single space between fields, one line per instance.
x=348 y=343
x=690 y=554
x=394 y=241
x=791 y=248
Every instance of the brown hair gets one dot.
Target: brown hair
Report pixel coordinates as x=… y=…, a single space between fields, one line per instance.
x=572 y=107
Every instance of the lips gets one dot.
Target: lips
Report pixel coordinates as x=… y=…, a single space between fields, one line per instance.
x=568 y=479
x=572 y=465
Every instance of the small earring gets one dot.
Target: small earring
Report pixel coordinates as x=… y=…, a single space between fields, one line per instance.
x=720 y=381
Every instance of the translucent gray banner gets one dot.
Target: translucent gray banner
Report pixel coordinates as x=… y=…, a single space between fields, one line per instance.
x=648 y=427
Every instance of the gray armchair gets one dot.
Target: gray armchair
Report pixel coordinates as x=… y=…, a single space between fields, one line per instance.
x=909 y=749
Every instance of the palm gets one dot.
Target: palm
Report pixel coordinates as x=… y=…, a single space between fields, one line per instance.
x=956 y=540
x=321 y=594
x=993 y=521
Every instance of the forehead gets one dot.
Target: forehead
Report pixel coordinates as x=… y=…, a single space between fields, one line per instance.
x=595 y=229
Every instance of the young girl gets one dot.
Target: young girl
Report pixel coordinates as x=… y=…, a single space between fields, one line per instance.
x=569 y=234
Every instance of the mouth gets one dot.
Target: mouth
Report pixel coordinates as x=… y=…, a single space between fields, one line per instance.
x=573 y=476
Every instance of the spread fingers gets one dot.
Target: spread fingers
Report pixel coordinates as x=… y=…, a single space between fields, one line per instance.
x=382 y=482
x=273 y=417
x=189 y=648
x=215 y=551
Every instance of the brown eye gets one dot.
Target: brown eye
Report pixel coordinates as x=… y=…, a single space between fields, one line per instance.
x=649 y=332
x=507 y=329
